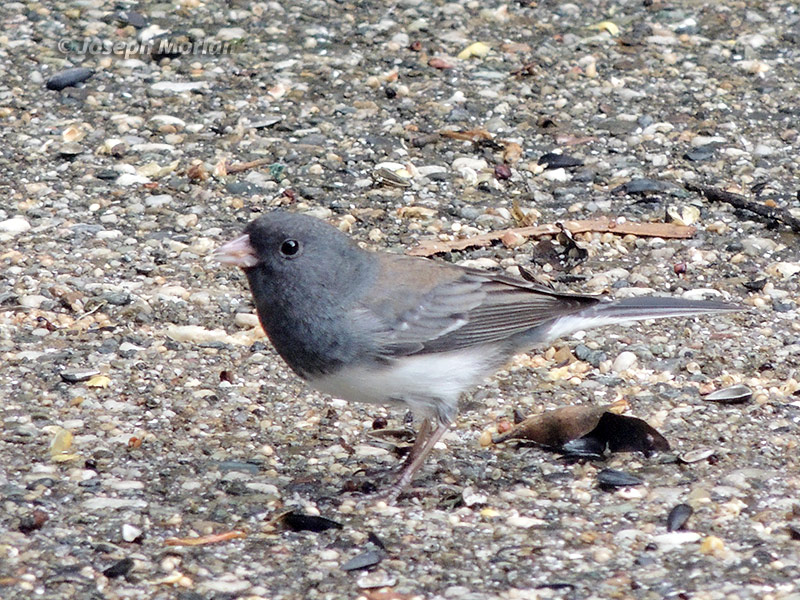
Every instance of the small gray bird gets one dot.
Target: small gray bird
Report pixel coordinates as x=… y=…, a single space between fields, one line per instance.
x=411 y=332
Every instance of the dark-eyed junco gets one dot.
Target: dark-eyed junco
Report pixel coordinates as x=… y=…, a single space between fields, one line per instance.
x=391 y=329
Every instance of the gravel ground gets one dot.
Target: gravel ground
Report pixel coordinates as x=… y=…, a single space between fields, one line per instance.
x=140 y=403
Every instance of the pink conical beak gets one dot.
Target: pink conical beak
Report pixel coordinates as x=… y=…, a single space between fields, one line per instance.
x=238 y=253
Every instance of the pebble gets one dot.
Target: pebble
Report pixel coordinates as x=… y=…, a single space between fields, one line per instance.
x=228 y=34
x=246 y=320
x=377 y=579
x=557 y=175
x=624 y=361
x=713 y=545
x=126 y=179
x=32 y=300
x=329 y=554
x=227 y=584
x=668 y=541
x=160 y=120
x=14 y=226
x=187 y=221
x=786 y=270
x=131 y=533
x=158 y=200
x=179 y=86
x=757 y=246
x=464 y=162
x=100 y=503
x=472 y=497
x=364 y=450
x=68 y=78
x=520 y=522
x=195 y=333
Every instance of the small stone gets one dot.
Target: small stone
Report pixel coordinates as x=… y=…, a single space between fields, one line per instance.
x=14 y=226
x=126 y=179
x=485 y=440
x=667 y=541
x=624 y=361
x=119 y=568
x=378 y=579
x=477 y=50
x=187 y=221
x=758 y=246
x=195 y=333
x=476 y=164
x=131 y=533
x=161 y=120
x=68 y=78
x=102 y=503
x=472 y=497
x=229 y=34
x=227 y=584
x=328 y=554
x=179 y=86
x=364 y=450
x=520 y=522
x=712 y=545
x=32 y=300
x=246 y=320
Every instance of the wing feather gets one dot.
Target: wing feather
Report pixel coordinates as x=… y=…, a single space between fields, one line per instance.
x=459 y=308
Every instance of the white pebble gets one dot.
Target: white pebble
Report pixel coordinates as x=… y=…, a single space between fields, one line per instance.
x=246 y=320
x=130 y=533
x=519 y=522
x=14 y=225
x=32 y=300
x=465 y=162
x=624 y=361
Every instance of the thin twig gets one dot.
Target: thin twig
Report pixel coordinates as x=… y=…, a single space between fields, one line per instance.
x=610 y=225
x=205 y=539
x=771 y=213
x=244 y=166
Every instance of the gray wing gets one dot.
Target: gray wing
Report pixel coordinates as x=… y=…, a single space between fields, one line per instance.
x=466 y=307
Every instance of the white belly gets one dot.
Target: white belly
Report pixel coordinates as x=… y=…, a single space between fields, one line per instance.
x=428 y=383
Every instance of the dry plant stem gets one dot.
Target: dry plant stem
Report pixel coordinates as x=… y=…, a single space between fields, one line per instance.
x=774 y=214
x=607 y=225
x=239 y=167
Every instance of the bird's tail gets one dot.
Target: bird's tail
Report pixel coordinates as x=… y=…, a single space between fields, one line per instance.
x=633 y=309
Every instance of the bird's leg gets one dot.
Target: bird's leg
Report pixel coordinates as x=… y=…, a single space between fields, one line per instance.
x=426 y=440
x=419 y=442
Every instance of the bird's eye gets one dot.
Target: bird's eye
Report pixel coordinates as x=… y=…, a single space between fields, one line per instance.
x=290 y=248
